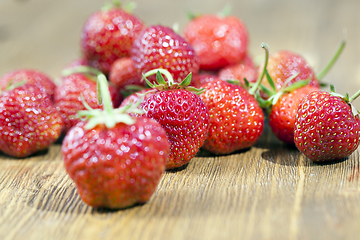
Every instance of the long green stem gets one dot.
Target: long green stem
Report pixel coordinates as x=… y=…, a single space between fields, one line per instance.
x=332 y=61
x=255 y=87
x=353 y=97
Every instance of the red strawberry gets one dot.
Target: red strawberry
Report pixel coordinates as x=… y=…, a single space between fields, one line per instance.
x=123 y=73
x=218 y=41
x=108 y=35
x=236 y=119
x=115 y=160
x=181 y=113
x=239 y=71
x=283 y=112
x=282 y=65
x=160 y=47
x=40 y=79
x=67 y=97
x=201 y=78
x=137 y=96
x=29 y=122
x=326 y=126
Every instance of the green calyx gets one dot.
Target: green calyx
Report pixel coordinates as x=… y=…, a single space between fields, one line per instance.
x=11 y=85
x=129 y=7
x=347 y=99
x=107 y=116
x=161 y=84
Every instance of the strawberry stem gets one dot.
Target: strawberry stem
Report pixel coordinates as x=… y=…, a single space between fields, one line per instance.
x=353 y=97
x=255 y=87
x=332 y=61
x=162 y=71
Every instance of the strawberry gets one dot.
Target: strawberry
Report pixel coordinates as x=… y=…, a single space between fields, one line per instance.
x=218 y=41
x=115 y=160
x=42 y=80
x=29 y=122
x=123 y=73
x=137 y=96
x=239 y=71
x=77 y=82
x=201 y=78
x=327 y=126
x=283 y=112
x=181 y=113
x=159 y=46
x=107 y=35
x=236 y=118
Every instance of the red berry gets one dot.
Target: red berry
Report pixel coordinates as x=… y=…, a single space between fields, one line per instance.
x=236 y=119
x=283 y=112
x=160 y=47
x=123 y=73
x=201 y=78
x=108 y=35
x=68 y=101
x=284 y=64
x=239 y=71
x=28 y=121
x=36 y=77
x=325 y=127
x=218 y=42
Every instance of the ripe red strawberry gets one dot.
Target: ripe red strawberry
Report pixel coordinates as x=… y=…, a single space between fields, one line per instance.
x=181 y=113
x=115 y=160
x=201 y=78
x=29 y=122
x=107 y=35
x=123 y=73
x=283 y=112
x=137 y=96
x=236 y=119
x=43 y=81
x=282 y=65
x=160 y=47
x=218 y=41
x=326 y=126
x=67 y=96
x=239 y=71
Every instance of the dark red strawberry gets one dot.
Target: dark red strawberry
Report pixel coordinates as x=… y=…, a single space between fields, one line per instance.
x=29 y=122
x=160 y=47
x=67 y=98
x=115 y=160
x=181 y=113
x=218 y=41
x=123 y=73
x=107 y=35
x=327 y=127
x=283 y=112
x=40 y=79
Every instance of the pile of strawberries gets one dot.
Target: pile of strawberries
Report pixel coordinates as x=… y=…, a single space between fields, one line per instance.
x=145 y=99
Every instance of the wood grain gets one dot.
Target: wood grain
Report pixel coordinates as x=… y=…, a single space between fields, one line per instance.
x=269 y=191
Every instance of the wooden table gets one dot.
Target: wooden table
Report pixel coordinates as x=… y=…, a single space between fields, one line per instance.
x=270 y=191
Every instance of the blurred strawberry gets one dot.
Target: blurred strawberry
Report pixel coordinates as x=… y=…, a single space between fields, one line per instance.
x=201 y=78
x=107 y=35
x=79 y=82
x=160 y=47
x=40 y=79
x=239 y=71
x=218 y=41
x=29 y=122
x=123 y=73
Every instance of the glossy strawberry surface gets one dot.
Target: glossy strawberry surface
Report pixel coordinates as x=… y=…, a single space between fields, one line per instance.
x=325 y=127
x=28 y=121
x=116 y=167
x=218 y=41
x=108 y=35
x=285 y=64
x=236 y=119
x=39 y=78
x=123 y=73
x=159 y=46
x=68 y=101
x=185 y=119
x=283 y=112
